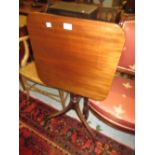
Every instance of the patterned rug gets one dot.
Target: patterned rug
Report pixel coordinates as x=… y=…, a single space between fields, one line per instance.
x=61 y=136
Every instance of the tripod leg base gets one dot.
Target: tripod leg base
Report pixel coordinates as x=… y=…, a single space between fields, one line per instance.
x=74 y=104
x=84 y=122
x=66 y=109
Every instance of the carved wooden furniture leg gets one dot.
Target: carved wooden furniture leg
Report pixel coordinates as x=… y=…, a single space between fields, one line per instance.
x=61 y=94
x=24 y=86
x=83 y=120
x=66 y=109
x=73 y=104
x=85 y=108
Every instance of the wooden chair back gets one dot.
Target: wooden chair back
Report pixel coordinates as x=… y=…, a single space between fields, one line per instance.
x=76 y=55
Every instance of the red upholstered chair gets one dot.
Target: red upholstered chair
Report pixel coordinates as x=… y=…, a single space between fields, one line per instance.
x=127 y=59
x=118 y=108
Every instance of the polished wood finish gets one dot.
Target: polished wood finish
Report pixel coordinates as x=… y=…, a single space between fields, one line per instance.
x=28 y=71
x=82 y=61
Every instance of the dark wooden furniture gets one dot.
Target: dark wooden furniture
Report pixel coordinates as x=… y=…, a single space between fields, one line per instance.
x=109 y=14
x=76 y=55
x=130 y=6
x=26 y=7
x=74 y=9
x=126 y=16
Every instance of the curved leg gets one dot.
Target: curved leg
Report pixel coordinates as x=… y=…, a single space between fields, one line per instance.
x=61 y=112
x=23 y=81
x=58 y=113
x=79 y=113
x=85 y=108
x=61 y=94
x=74 y=104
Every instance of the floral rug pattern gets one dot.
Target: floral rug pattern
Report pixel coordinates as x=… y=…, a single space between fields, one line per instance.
x=66 y=132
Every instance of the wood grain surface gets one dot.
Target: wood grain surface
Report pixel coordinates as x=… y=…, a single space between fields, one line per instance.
x=82 y=60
